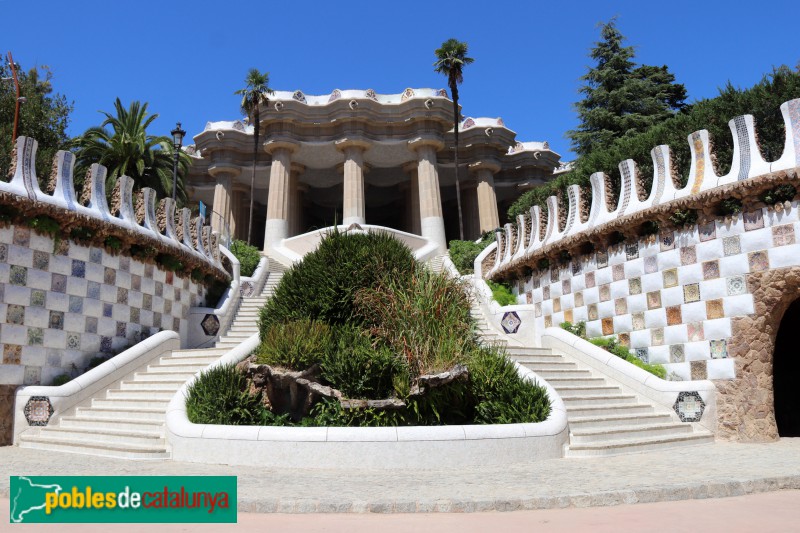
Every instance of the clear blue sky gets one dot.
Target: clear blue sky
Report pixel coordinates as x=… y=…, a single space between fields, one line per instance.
x=187 y=58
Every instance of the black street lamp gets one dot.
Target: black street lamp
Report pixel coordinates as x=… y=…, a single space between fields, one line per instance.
x=177 y=142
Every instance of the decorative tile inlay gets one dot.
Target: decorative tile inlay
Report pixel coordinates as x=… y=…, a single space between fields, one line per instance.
x=41 y=260
x=667 y=241
x=210 y=323
x=18 y=276
x=566 y=286
x=545 y=292
x=109 y=276
x=22 y=236
x=159 y=288
x=657 y=336
x=12 y=354
x=592 y=310
x=691 y=293
x=124 y=263
x=674 y=315
x=744 y=147
x=74 y=341
x=510 y=323
x=695 y=331
x=624 y=339
x=783 y=235
x=96 y=255
x=719 y=349
x=556 y=305
x=688 y=255
x=707 y=231
x=568 y=316
x=105 y=344
x=590 y=280
x=3 y=253
x=35 y=336
x=135 y=315
x=618 y=272
x=758 y=261
x=731 y=245
x=699 y=161
x=736 y=285
x=676 y=353
x=176 y=324
x=121 y=329
x=642 y=355
x=714 y=309
x=75 y=304
x=579 y=299
x=621 y=306
x=93 y=290
x=638 y=321
x=605 y=292
x=528 y=300
x=650 y=264
x=554 y=275
x=602 y=259
x=548 y=321
x=753 y=220
x=58 y=283
x=689 y=406
x=78 y=268
x=15 y=314
x=537 y=310
x=91 y=324
x=148 y=271
x=632 y=250
x=608 y=326
x=56 y=320
x=38 y=410
x=711 y=269
x=107 y=310
x=122 y=295
x=537 y=281
x=670 y=278
x=635 y=286
x=654 y=300
x=698 y=369
x=136 y=283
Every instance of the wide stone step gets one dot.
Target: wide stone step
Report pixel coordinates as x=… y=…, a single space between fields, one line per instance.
x=558 y=383
x=567 y=374
x=198 y=351
x=125 y=451
x=638 y=445
x=131 y=403
x=159 y=375
x=539 y=360
x=140 y=394
x=196 y=360
x=606 y=409
x=172 y=385
x=551 y=366
x=113 y=436
x=126 y=413
x=244 y=329
x=587 y=400
x=597 y=420
x=633 y=432
x=584 y=390
x=519 y=351
x=111 y=423
x=176 y=367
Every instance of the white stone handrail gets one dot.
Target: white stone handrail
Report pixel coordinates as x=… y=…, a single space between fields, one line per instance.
x=65 y=397
x=747 y=163
x=225 y=311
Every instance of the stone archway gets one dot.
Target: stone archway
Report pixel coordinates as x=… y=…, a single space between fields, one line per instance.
x=746 y=405
x=786 y=369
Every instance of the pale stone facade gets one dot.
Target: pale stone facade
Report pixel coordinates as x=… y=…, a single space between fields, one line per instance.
x=360 y=157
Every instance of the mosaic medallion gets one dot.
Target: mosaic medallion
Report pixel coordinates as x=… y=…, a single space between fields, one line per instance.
x=736 y=285
x=731 y=245
x=210 y=324
x=247 y=289
x=38 y=410
x=511 y=322
x=719 y=349
x=689 y=406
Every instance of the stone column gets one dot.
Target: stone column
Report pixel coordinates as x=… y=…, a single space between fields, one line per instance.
x=277 y=226
x=413 y=197
x=430 y=198
x=487 y=200
x=469 y=201
x=353 y=204
x=295 y=200
x=223 y=192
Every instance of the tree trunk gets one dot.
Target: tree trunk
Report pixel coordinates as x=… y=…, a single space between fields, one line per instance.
x=454 y=91
x=256 y=132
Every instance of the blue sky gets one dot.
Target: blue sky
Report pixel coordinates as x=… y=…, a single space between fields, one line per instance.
x=187 y=58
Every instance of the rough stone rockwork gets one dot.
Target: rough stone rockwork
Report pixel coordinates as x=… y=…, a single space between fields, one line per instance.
x=746 y=405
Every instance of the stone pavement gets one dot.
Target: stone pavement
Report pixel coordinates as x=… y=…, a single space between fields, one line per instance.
x=696 y=472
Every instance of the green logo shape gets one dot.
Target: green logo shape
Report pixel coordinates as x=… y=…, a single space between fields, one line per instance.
x=123 y=499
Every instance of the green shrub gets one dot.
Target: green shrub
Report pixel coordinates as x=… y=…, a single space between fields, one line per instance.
x=779 y=194
x=81 y=234
x=45 y=225
x=650 y=227
x=169 y=262
x=684 y=217
x=113 y=243
x=463 y=253
x=501 y=293
x=248 y=257
x=61 y=379
x=729 y=206
x=8 y=213
x=578 y=329
x=296 y=345
x=610 y=344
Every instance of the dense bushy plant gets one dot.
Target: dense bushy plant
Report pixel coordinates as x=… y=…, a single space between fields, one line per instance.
x=248 y=257
x=463 y=253
x=297 y=344
x=501 y=293
x=781 y=193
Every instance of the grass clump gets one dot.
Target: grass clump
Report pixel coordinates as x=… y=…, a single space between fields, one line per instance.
x=248 y=257
x=297 y=344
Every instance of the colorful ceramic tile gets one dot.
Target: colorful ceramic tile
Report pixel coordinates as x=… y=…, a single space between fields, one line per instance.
x=650 y=264
x=654 y=300
x=122 y=295
x=56 y=320
x=714 y=309
x=58 y=283
x=18 y=275
x=73 y=341
x=41 y=260
x=568 y=317
x=528 y=300
x=605 y=292
x=579 y=299
x=783 y=235
x=707 y=231
x=15 y=314
x=621 y=306
x=618 y=272
x=170 y=277
x=22 y=236
x=632 y=250
x=109 y=276
x=537 y=281
x=555 y=275
x=688 y=255
x=35 y=336
x=676 y=353
x=638 y=321
x=624 y=339
x=107 y=310
x=698 y=370
x=635 y=286
x=545 y=293
x=642 y=354
x=12 y=354
x=556 y=305
x=719 y=349
x=695 y=331
x=135 y=316
x=736 y=285
x=176 y=324
x=78 y=268
x=136 y=282
x=674 y=315
x=690 y=406
x=667 y=241
x=548 y=321
x=590 y=280
x=731 y=245
x=592 y=311
x=711 y=269
x=670 y=278
x=75 y=304
x=62 y=248
x=121 y=329
x=124 y=263
x=753 y=220
x=691 y=293
x=537 y=310
x=3 y=253
x=32 y=376
x=602 y=259
x=758 y=261
x=105 y=345
x=657 y=336
x=96 y=255
x=608 y=326
x=148 y=271
x=93 y=290
x=91 y=324
x=566 y=286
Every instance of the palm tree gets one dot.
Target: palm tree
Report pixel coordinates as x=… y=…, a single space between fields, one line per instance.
x=450 y=61
x=255 y=92
x=127 y=150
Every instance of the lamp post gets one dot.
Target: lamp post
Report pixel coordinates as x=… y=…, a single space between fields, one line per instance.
x=177 y=142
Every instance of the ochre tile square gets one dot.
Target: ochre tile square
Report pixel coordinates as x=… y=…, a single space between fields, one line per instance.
x=624 y=339
x=654 y=300
x=674 y=315
x=608 y=326
x=670 y=278
x=621 y=306
x=568 y=316
x=638 y=321
x=714 y=309
x=556 y=305
x=605 y=292
x=698 y=370
x=548 y=321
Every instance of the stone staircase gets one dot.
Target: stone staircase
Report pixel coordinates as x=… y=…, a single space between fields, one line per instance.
x=603 y=418
x=128 y=421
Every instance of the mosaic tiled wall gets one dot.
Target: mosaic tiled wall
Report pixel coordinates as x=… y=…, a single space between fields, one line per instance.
x=61 y=305
x=670 y=300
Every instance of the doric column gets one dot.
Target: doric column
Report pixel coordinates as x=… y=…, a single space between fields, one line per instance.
x=487 y=200
x=277 y=226
x=353 y=203
x=430 y=198
x=413 y=197
x=220 y=217
x=295 y=194
x=239 y=213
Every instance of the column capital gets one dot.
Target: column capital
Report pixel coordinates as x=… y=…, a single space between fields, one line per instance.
x=491 y=165
x=297 y=168
x=419 y=142
x=365 y=168
x=411 y=167
x=222 y=169
x=352 y=142
x=272 y=145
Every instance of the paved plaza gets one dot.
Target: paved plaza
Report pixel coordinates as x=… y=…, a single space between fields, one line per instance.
x=706 y=471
